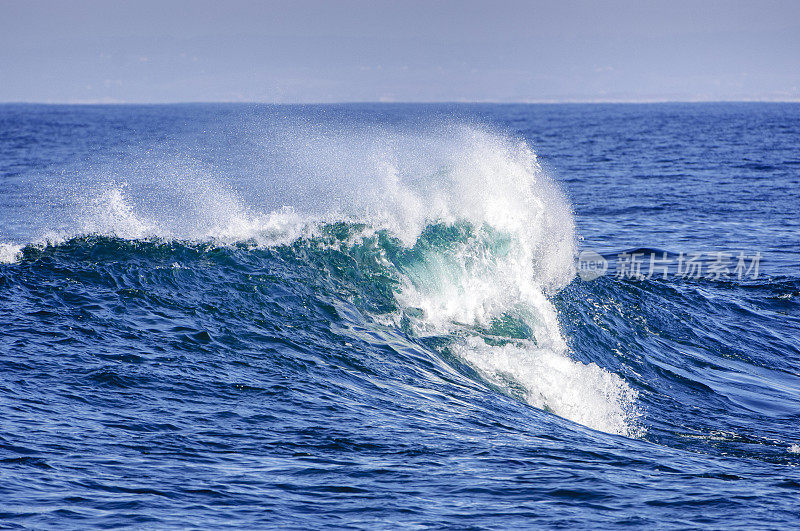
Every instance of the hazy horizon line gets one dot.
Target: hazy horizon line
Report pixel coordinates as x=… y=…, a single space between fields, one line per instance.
x=545 y=101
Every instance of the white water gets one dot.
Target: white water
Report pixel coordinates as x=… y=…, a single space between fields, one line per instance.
x=9 y=253
x=523 y=247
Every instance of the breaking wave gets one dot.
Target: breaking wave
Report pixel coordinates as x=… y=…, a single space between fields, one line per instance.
x=458 y=237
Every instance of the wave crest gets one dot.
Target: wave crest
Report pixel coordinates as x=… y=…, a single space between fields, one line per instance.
x=480 y=237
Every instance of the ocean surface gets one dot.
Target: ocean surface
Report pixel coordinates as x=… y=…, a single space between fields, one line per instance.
x=375 y=316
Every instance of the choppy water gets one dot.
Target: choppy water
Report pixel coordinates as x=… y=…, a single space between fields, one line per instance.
x=369 y=315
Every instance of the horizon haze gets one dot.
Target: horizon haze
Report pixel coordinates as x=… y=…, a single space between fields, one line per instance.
x=312 y=51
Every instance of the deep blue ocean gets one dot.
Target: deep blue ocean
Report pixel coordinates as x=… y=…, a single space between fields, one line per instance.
x=370 y=316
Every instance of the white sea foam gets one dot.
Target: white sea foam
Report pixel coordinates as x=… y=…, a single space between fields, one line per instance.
x=204 y=214
x=547 y=378
x=10 y=253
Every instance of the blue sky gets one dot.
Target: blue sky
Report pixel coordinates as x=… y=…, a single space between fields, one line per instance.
x=333 y=51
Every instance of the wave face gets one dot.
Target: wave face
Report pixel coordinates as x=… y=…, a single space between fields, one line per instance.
x=334 y=314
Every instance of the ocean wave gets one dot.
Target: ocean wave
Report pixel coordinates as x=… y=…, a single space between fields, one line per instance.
x=464 y=222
